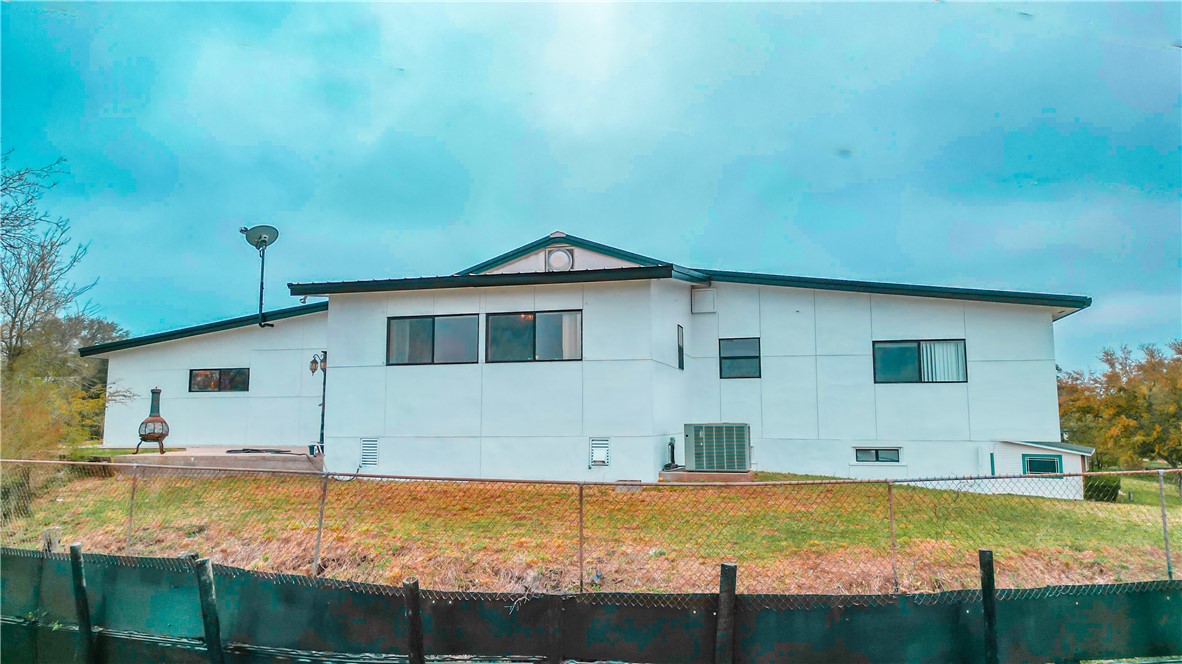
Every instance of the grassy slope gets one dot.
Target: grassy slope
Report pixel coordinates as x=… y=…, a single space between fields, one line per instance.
x=801 y=538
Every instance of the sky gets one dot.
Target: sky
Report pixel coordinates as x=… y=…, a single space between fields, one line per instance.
x=1012 y=146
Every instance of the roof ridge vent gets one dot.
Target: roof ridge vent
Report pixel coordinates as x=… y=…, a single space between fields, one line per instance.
x=558 y=234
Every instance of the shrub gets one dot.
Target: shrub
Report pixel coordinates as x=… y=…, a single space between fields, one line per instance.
x=1102 y=488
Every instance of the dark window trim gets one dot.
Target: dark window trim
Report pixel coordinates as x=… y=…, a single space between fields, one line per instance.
x=488 y=334
x=874 y=362
x=876 y=451
x=432 y=317
x=1057 y=457
x=681 y=348
x=758 y=358
x=219 y=370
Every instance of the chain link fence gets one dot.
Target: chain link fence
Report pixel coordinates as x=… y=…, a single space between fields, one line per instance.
x=853 y=538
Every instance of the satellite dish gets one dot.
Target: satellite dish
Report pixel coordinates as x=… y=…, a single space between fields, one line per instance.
x=260 y=236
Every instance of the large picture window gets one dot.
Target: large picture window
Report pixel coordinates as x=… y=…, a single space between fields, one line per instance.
x=738 y=358
x=219 y=380
x=542 y=336
x=433 y=339
x=928 y=361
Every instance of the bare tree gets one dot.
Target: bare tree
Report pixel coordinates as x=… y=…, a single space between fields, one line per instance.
x=37 y=256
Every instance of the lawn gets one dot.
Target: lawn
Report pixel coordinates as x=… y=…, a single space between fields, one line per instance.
x=819 y=538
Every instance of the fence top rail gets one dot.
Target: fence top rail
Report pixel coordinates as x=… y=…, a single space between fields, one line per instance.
x=488 y=480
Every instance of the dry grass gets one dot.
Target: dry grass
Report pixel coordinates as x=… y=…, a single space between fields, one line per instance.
x=832 y=538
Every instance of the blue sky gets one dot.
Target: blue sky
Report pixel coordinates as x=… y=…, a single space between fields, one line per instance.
x=1031 y=147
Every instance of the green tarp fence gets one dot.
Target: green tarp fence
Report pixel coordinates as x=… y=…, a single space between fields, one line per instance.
x=147 y=610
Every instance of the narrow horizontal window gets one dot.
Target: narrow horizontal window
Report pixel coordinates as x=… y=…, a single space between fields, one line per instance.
x=873 y=455
x=432 y=339
x=543 y=336
x=219 y=380
x=924 y=361
x=1041 y=464
x=738 y=358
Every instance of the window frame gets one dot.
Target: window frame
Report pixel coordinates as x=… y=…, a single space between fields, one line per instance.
x=919 y=361
x=1057 y=457
x=876 y=450
x=219 y=390
x=488 y=334
x=758 y=358
x=432 y=317
x=681 y=349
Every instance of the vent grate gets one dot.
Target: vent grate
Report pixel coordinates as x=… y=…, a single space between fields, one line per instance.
x=719 y=447
x=369 y=452
x=601 y=453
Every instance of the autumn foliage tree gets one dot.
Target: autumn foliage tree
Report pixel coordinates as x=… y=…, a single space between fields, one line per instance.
x=51 y=398
x=1131 y=412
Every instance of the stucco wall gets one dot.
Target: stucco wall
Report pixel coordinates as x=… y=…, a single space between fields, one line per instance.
x=280 y=408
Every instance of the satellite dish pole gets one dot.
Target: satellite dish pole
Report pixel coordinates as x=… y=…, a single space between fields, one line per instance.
x=261 y=237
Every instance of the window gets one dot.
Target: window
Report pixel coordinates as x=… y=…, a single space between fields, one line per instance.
x=889 y=455
x=738 y=358
x=680 y=347
x=1042 y=464
x=219 y=380
x=543 y=336
x=934 y=361
x=432 y=339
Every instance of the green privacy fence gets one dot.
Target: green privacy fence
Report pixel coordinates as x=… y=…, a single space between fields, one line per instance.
x=149 y=610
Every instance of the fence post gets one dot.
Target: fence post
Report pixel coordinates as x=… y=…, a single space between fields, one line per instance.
x=724 y=632
x=989 y=604
x=582 y=572
x=414 y=621
x=894 y=548
x=82 y=604
x=1165 y=525
x=320 y=526
x=209 y=611
x=135 y=480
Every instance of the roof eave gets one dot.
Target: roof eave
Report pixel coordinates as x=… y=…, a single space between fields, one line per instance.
x=197 y=330
x=1068 y=303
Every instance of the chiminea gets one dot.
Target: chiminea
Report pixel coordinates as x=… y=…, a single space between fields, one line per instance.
x=154 y=428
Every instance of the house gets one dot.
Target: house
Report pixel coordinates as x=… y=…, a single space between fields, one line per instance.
x=569 y=359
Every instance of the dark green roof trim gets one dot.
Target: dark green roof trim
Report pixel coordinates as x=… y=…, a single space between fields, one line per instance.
x=571 y=240
x=217 y=326
x=483 y=280
x=1008 y=297
x=1066 y=447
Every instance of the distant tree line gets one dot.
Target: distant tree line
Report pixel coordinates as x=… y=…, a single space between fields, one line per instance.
x=51 y=398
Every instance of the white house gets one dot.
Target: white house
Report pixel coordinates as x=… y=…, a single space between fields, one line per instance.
x=568 y=359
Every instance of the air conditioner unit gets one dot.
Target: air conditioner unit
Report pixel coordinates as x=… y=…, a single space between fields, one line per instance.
x=718 y=447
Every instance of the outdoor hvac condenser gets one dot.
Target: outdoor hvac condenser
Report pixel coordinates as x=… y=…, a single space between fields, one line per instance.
x=718 y=447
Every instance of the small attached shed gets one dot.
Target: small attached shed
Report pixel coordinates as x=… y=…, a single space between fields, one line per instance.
x=1035 y=458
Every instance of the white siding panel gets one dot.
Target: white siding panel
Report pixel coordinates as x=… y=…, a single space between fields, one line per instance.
x=787 y=326
x=738 y=310
x=433 y=400
x=1008 y=332
x=532 y=399
x=741 y=402
x=936 y=411
x=1013 y=400
x=843 y=323
x=790 y=397
x=617 y=398
x=897 y=317
x=845 y=396
x=616 y=321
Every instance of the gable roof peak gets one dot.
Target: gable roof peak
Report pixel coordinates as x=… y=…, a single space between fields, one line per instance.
x=557 y=234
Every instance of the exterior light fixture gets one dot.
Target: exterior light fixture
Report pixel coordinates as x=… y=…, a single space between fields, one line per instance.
x=261 y=237
x=319 y=363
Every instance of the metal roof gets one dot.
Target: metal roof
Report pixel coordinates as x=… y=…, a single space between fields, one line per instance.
x=489 y=280
x=1062 y=447
x=206 y=328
